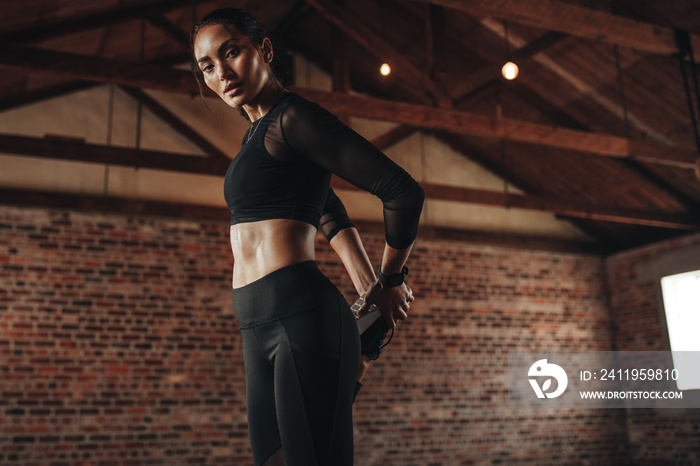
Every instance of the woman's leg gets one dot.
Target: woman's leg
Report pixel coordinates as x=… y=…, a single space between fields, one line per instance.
x=315 y=373
x=301 y=352
x=260 y=400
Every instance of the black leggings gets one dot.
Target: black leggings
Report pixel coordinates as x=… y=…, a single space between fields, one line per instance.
x=301 y=353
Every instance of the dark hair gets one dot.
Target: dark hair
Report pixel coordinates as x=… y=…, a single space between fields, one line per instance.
x=248 y=24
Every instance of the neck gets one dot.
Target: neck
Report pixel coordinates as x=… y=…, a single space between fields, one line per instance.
x=263 y=102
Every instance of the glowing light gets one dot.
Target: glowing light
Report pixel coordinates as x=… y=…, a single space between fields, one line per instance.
x=385 y=69
x=510 y=71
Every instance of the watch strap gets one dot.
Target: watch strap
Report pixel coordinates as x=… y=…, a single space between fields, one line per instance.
x=395 y=279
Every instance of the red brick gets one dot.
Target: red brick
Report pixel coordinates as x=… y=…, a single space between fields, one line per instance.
x=138 y=357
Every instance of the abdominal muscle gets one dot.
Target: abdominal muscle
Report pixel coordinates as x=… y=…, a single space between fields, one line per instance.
x=268 y=245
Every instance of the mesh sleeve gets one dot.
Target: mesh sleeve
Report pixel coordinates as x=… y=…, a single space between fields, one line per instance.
x=335 y=217
x=314 y=133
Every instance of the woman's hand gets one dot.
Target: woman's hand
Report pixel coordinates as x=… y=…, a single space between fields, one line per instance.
x=394 y=303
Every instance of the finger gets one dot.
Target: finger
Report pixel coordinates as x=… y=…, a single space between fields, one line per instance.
x=401 y=314
x=364 y=310
x=408 y=294
x=389 y=320
x=362 y=306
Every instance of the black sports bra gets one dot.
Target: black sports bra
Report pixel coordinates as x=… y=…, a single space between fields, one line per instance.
x=284 y=167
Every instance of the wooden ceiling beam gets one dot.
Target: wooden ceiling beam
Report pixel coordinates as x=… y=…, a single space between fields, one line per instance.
x=553 y=205
x=347 y=22
x=91 y=21
x=201 y=212
x=97 y=69
x=478 y=125
x=61 y=149
x=128 y=206
x=177 y=124
x=492 y=71
x=147 y=75
x=43 y=93
x=341 y=67
x=555 y=15
x=393 y=136
x=581 y=86
x=94 y=153
x=433 y=24
x=173 y=30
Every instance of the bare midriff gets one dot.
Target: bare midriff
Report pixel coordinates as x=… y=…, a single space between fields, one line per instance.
x=262 y=247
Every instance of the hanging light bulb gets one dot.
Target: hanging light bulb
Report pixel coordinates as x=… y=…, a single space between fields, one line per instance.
x=510 y=71
x=385 y=69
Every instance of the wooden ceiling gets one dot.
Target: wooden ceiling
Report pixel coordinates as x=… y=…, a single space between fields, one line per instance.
x=596 y=128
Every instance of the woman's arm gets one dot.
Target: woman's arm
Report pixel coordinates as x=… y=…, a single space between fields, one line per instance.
x=316 y=135
x=343 y=237
x=348 y=245
x=393 y=302
x=346 y=242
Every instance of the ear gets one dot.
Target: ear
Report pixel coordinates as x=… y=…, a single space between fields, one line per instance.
x=266 y=50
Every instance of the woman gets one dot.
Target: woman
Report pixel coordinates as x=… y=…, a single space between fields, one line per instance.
x=300 y=339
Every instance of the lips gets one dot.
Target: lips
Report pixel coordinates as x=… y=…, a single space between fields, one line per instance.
x=232 y=89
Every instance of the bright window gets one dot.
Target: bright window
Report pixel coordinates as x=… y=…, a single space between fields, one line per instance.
x=681 y=295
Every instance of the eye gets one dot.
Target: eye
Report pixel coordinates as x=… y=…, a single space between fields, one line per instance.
x=232 y=52
x=207 y=68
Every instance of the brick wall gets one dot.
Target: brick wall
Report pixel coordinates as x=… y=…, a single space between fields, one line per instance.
x=119 y=347
x=663 y=436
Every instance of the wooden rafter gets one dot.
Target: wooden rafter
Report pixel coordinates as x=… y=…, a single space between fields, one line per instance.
x=372 y=42
x=91 y=21
x=173 y=30
x=552 y=205
x=151 y=76
x=341 y=69
x=178 y=125
x=94 y=153
x=492 y=71
x=48 y=92
x=113 y=155
x=393 y=136
x=182 y=210
x=96 y=69
x=556 y=15
x=477 y=125
x=580 y=86
x=85 y=202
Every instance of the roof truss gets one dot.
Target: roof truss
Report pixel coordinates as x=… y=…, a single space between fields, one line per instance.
x=435 y=110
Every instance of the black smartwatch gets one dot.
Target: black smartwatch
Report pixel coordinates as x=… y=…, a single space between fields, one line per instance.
x=395 y=279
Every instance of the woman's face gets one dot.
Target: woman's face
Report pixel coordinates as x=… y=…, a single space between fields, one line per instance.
x=231 y=64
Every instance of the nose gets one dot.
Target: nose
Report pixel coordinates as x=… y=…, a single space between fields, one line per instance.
x=225 y=72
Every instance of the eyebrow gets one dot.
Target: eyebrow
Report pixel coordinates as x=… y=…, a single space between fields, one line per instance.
x=221 y=48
